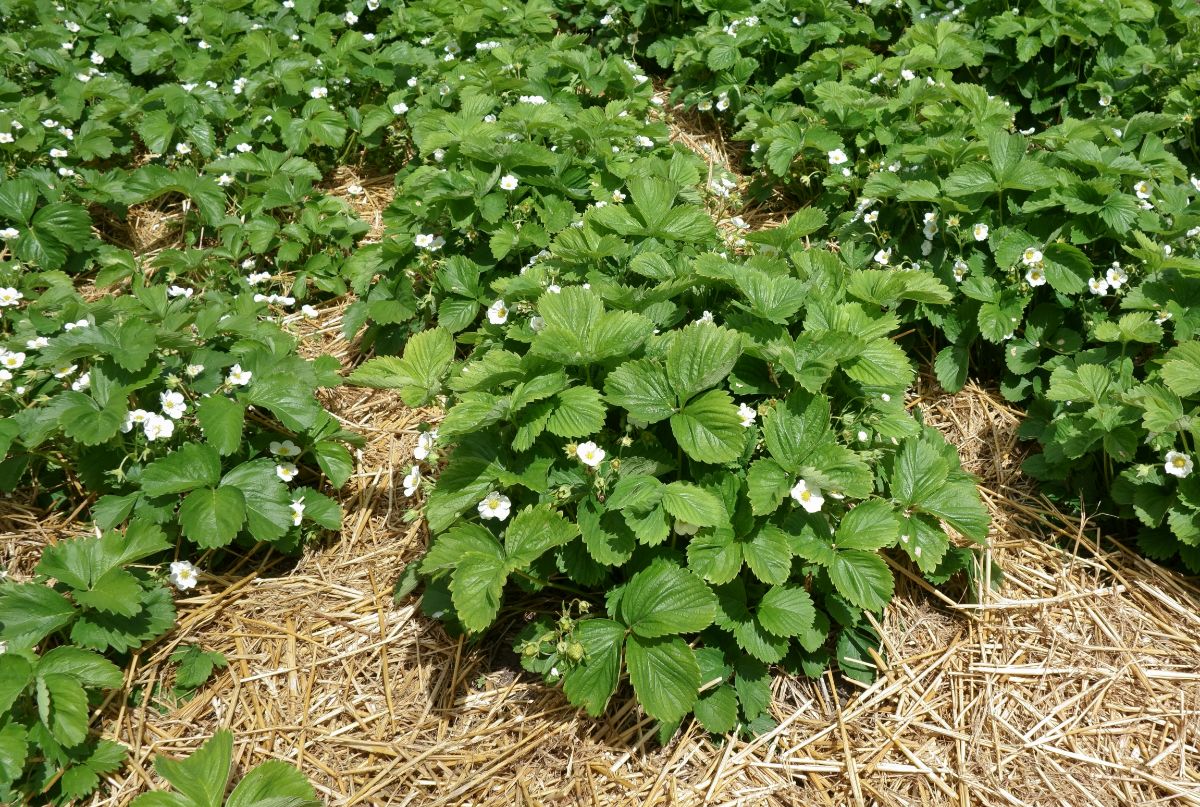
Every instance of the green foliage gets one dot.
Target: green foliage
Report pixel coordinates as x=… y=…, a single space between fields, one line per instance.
x=200 y=781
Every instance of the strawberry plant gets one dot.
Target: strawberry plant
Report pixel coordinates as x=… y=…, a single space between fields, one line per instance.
x=708 y=489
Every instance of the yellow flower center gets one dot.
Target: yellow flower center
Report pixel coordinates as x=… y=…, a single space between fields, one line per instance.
x=1179 y=462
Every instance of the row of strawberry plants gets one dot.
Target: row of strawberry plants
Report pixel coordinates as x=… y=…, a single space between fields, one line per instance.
x=1041 y=161
x=690 y=460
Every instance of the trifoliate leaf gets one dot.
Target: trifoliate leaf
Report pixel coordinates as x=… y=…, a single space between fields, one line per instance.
x=188 y=467
x=701 y=356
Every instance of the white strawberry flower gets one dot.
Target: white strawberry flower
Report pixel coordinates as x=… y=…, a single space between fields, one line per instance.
x=495 y=505
x=838 y=157
x=173 y=404
x=58 y=153
x=1178 y=464
x=182 y=149
x=960 y=270
x=497 y=313
x=6 y=137
x=157 y=427
x=1035 y=276
x=194 y=370
x=508 y=182
x=412 y=481
x=425 y=444
x=285 y=448
x=96 y=58
x=50 y=123
x=309 y=311
x=203 y=45
x=643 y=142
x=64 y=370
x=350 y=17
x=238 y=376
x=423 y=240
x=747 y=414
x=11 y=361
x=1032 y=256
x=225 y=180
x=1098 y=286
x=79 y=323
x=180 y=291
x=184 y=575
x=9 y=233
x=883 y=256
x=244 y=148
x=1195 y=182
x=871 y=216
x=1105 y=100
x=38 y=343
x=1116 y=276
x=319 y=92
x=590 y=454
x=286 y=471
x=808 y=496
x=980 y=231
x=135 y=418
x=1142 y=189
x=83 y=382
x=297 y=508
x=10 y=296
x=400 y=108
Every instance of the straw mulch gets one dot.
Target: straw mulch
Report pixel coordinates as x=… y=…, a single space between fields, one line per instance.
x=1076 y=683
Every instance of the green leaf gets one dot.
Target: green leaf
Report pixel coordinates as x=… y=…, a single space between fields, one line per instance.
x=1181 y=371
x=701 y=356
x=30 y=612
x=188 y=467
x=89 y=668
x=15 y=675
x=533 y=531
x=579 y=413
x=195 y=665
x=593 y=682
x=464 y=537
x=794 y=428
x=709 y=429
x=638 y=492
x=768 y=554
x=693 y=504
x=863 y=578
x=715 y=556
x=642 y=388
x=664 y=599
x=1067 y=268
x=273 y=782
x=13 y=750
x=606 y=536
x=959 y=506
x=115 y=592
x=63 y=707
x=919 y=471
x=786 y=611
x=476 y=588
x=664 y=674
x=870 y=525
x=222 y=420
x=335 y=461
x=212 y=517
x=267 y=500
x=320 y=509
x=717 y=709
x=418 y=375
x=202 y=777
x=767 y=485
